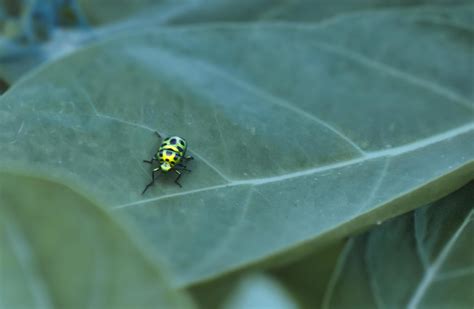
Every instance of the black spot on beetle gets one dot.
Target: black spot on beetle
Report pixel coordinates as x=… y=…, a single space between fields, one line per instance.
x=169 y=153
x=181 y=142
x=167 y=160
x=173 y=141
x=180 y=149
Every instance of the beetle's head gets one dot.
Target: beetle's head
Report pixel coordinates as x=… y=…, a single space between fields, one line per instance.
x=165 y=166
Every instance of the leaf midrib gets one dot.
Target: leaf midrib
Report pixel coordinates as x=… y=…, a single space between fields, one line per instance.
x=392 y=152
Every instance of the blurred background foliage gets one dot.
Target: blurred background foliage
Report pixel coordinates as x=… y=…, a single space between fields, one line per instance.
x=421 y=259
x=34 y=31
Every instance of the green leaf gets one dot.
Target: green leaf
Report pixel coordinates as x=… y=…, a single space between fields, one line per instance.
x=302 y=133
x=423 y=259
x=60 y=250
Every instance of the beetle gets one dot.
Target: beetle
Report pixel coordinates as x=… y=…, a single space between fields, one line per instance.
x=172 y=157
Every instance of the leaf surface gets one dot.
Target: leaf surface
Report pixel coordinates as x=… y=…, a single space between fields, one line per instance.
x=60 y=250
x=301 y=133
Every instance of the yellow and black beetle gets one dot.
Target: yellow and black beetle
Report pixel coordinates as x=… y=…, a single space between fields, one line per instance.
x=172 y=157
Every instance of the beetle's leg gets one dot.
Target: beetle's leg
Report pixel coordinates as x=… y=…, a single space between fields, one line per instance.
x=149 y=162
x=152 y=180
x=183 y=167
x=188 y=158
x=148 y=185
x=177 y=178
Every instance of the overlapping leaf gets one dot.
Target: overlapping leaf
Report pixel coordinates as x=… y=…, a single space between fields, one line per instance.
x=60 y=250
x=421 y=260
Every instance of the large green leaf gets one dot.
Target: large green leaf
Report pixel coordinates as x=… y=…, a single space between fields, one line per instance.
x=60 y=250
x=423 y=259
x=302 y=133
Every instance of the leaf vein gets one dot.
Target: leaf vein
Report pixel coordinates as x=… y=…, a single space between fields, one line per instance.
x=376 y=186
x=420 y=232
x=397 y=73
x=336 y=273
x=141 y=126
x=455 y=274
x=225 y=240
x=275 y=100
